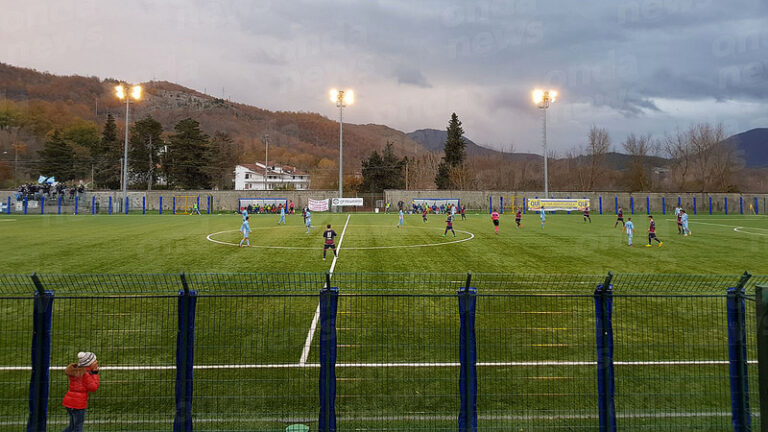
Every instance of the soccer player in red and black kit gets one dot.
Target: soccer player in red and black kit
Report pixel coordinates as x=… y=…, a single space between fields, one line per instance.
x=680 y=222
x=518 y=216
x=424 y=215
x=328 y=235
x=619 y=217
x=449 y=226
x=586 y=215
x=652 y=232
x=463 y=212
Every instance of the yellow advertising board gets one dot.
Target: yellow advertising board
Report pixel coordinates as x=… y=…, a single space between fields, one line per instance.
x=556 y=204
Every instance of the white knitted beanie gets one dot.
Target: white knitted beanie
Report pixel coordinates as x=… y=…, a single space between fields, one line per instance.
x=85 y=359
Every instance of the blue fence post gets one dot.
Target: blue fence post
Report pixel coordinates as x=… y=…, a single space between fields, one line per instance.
x=663 y=205
x=616 y=205
x=41 y=358
x=756 y=212
x=329 y=303
x=679 y=201
x=185 y=350
x=467 y=358
x=525 y=204
x=26 y=204
x=501 y=205
x=127 y=203
x=161 y=205
x=604 y=336
x=710 y=204
x=490 y=204
x=737 y=357
x=694 y=205
x=174 y=206
x=93 y=205
x=198 y=203
x=42 y=205
x=741 y=204
x=600 y=199
x=109 y=208
x=59 y=210
x=210 y=198
x=144 y=205
x=632 y=204
x=647 y=205
x=77 y=202
x=725 y=204
x=8 y=209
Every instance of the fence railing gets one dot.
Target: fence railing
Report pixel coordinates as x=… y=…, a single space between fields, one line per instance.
x=387 y=351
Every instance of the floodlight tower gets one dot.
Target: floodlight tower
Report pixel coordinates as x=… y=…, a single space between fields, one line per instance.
x=341 y=98
x=542 y=99
x=121 y=93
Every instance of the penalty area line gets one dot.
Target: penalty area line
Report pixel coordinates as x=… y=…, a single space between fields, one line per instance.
x=316 y=318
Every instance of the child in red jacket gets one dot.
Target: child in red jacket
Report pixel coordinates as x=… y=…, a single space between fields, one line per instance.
x=83 y=379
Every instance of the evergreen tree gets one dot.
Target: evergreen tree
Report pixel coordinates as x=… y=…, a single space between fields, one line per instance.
x=223 y=156
x=106 y=157
x=187 y=161
x=143 y=150
x=383 y=171
x=454 y=154
x=83 y=137
x=57 y=158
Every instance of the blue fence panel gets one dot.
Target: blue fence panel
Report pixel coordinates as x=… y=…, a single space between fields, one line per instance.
x=737 y=360
x=329 y=303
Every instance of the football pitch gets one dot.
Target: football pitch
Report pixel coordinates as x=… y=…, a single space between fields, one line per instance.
x=720 y=244
x=257 y=357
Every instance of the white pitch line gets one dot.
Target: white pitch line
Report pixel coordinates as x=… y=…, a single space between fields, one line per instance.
x=400 y=365
x=471 y=236
x=316 y=318
x=410 y=418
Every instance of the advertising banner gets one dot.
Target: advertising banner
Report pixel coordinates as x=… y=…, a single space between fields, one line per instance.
x=341 y=202
x=318 y=205
x=536 y=204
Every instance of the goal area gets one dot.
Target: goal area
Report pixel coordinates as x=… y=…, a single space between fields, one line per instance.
x=431 y=203
x=255 y=205
x=183 y=204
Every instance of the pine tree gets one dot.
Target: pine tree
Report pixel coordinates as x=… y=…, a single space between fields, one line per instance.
x=106 y=157
x=383 y=171
x=187 y=162
x=57 y=158
x=143 y=151
x=454 y=154
x=223 y=156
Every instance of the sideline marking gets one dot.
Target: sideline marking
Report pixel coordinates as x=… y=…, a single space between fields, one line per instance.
x=471 y=236
x=316 y=318
x=738 y=229
x=402 y=365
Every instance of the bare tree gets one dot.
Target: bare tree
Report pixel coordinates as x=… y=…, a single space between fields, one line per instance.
x=597 y=146
x=701 y=159
x=638 y=175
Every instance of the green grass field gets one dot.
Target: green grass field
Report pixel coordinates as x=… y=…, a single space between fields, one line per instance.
x=397 y=351
x=169 y=244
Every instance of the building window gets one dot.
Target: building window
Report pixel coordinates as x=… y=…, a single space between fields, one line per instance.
x=247 y=176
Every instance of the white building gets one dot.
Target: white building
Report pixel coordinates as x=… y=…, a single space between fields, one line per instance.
x=251 y=177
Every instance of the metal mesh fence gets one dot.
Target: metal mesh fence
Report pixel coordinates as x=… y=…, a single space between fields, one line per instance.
x=257 y=345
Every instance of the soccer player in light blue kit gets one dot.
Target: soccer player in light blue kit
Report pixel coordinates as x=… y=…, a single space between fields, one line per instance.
x=308 y=217
x=245 y=228
x=684 y=220
x=245 y=214
x=282 y=216
x=629 y=228
x=400 y=219
x=543 y=217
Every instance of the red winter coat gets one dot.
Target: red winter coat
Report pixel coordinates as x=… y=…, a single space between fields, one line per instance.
x=81 y=382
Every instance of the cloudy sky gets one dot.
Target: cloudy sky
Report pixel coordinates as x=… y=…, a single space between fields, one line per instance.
x=643 y=66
